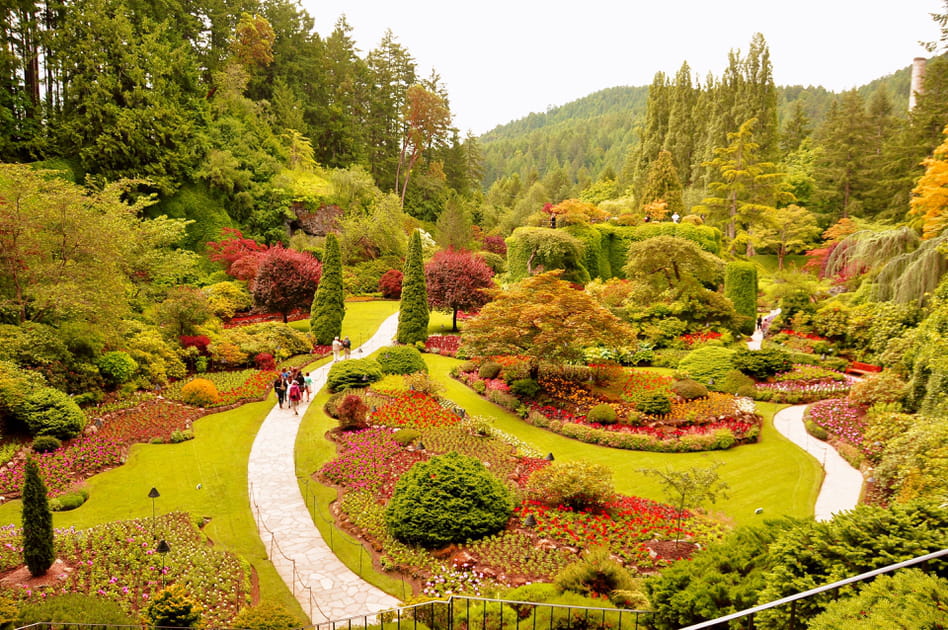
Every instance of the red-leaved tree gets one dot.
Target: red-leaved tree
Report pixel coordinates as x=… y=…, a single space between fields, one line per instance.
x=239 y=255
x=286 y=279
x=390 y=284
x=455 y=281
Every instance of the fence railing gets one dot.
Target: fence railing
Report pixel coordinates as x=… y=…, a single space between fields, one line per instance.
x=481 y=613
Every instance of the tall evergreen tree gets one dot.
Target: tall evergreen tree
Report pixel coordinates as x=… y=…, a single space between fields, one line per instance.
x=746 y=186
x=654 y=130
x=38 y=553
x=413 y=312
x=796 y=129
x=662 y=184
x=329 y=306
x=680 y=139
x=847 y=148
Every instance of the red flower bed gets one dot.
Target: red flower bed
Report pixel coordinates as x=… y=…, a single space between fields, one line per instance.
x=802 y=335
x=258 y=318
x=413 y=409
x=700 y=337
x=622 y=526
x=443 y=344
x=157 y=419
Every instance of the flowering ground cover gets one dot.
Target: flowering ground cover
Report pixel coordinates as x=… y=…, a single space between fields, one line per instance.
x=233 y=387
x=369 y=462
x=118 y=561
x=842 y=419
x=804 y=383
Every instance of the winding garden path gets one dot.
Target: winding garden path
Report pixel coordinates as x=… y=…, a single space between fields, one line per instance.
x=842 y=484
x=323 y=585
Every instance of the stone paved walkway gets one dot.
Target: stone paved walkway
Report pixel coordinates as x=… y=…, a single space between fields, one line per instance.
x=324 y=586
x=842 y=484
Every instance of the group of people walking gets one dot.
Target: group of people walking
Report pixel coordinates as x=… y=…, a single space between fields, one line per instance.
x=341 y=348
x=291 y=386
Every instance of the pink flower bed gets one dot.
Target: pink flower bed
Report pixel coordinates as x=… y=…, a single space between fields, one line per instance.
x=443 y=344
x=841 y=418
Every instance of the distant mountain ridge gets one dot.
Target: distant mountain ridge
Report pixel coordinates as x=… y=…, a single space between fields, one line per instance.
x=590 y=134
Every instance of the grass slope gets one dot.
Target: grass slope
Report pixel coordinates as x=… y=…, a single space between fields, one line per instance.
x=773 y=474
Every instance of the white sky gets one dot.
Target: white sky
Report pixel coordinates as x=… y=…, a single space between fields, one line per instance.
x=502 y=60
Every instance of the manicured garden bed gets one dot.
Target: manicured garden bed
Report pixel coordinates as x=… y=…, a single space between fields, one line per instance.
x=118 y=561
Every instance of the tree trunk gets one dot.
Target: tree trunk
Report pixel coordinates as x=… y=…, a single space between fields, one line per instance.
x=454 y=321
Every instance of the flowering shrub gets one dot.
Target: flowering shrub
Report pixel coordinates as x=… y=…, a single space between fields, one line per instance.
x=803 y=384
x=200 y=392
x=117 y=561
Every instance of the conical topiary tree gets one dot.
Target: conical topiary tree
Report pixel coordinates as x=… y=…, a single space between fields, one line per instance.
x=329 y=306
x=413 y=312
x=38 y=551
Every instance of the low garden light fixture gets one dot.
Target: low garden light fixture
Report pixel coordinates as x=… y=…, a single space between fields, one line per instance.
x=162 y=549
x=153 y=494
x=530 y=521
x=549 y=457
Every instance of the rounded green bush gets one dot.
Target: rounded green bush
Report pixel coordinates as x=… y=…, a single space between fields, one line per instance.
x=654 y=403
x=735 y=382
x=69 y=500
x=489 y=369
x=708 y=364
x=117 y=367
x=48 y=411
x=265 y=616
x=575 y=484
x=449 y=498
x=353 y=373
x=597 y=574
x=689 y=389
x=45 y=444
x=603 y=414
x=406 y=436
x=526 y=387
x=401 y=360
x=761 y=363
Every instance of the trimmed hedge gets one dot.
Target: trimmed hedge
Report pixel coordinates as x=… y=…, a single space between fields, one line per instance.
x=401 y=360
x=554 y=249
x=761 y=363
x=48 y=411
x=708 y=365
x=353 y=373
x=740 y=286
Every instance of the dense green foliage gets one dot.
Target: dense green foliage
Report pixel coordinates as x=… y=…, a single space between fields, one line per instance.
x=740 y=286
x=265 y=616
x=38 y=552
x=401 y=360
x=595 y=575
x=761 y=363
x=353 y=373
x=449 y=498
x=329 y=303
x=413 y=312
x=909 y=599
x=708 y=365
x=77 y=608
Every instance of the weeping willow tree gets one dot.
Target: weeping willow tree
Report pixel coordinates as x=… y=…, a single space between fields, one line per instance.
x=901 y=266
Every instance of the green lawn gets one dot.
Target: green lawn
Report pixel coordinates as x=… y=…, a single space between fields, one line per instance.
x=215 y=460
x=206 y=476
x=773 y=474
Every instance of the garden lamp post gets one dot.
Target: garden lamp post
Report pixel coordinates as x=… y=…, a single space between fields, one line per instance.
x=163 y=548
x=549 y=457
x=153 y=494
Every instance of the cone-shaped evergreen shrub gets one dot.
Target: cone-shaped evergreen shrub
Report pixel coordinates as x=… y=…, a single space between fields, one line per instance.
x=38 y=551
x=329 y=305
x=740 y=286
x=449 y=498
x=413 y=312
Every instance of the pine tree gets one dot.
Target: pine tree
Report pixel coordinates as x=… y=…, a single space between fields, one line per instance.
x=662 y=183
x=413 y=313
x=38 y=551
x=847 y=147
x=329 y=302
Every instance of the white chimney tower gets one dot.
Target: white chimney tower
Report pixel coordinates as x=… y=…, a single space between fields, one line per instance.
x=918 y=80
